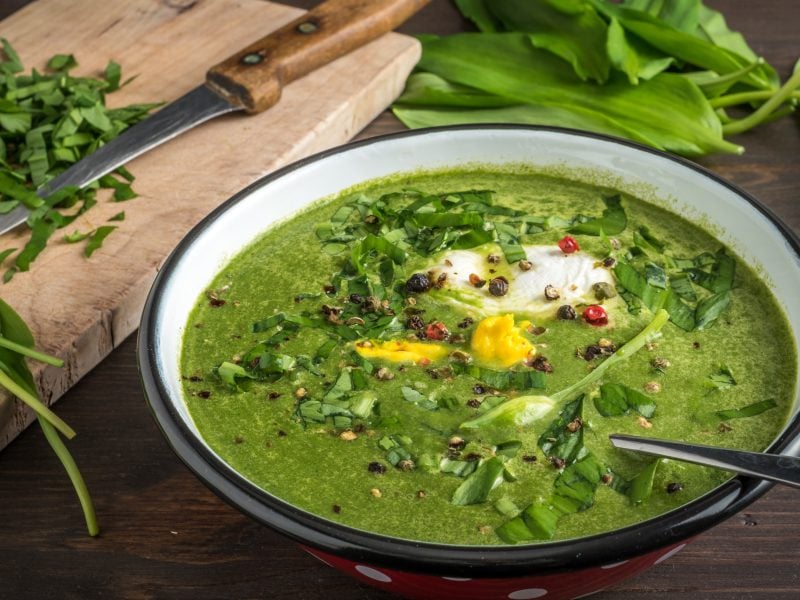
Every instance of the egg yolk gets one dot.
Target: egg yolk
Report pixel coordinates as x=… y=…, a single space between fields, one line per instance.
x=402 y=351
x=498 y=341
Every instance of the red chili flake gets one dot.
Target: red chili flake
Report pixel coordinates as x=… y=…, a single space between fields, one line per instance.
x=568 y=244
x=594 y=314
x=476 y=280
x=436 y=331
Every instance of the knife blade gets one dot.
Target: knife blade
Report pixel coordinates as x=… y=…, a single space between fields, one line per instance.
x=250 y=81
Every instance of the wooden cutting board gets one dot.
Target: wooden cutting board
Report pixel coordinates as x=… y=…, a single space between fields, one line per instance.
x=80 y=309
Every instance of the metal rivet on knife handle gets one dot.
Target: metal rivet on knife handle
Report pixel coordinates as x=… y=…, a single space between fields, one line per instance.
x=307 y=27
x=339 y=26
x=252 y=59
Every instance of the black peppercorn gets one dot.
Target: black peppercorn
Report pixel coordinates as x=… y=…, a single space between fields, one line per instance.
x=498 y=286
x=566 y=313
x=376 y=467
x=418 y=283
x=674 y=487
x=415 y=322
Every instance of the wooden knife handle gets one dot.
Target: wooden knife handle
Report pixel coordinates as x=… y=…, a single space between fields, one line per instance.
x=253 y=78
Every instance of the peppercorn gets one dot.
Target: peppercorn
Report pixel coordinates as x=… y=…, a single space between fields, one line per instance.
x=575 y=425
x=436 y=331
x=568 y=244
x=476 y=280
x=336 y=508
x=456 y=443
x=540 y=363
x=493 y=259
x=609 y=262
x=479 y=389
x=384 y=374
x=465 y=323
x=273 y=395
x=474 y=403
x=529 y=458
x=660 y=364
x=551 y=293
x=607 y=478
x=674 y=487
x=595 y=315
x=603 y=290
x=406 y=465
x=525 y=265
x=498 y=286
x=415 y=322
x=376 y=467
x=418 y=283
x=566 y=313
x=557 y=462
x=204 y=394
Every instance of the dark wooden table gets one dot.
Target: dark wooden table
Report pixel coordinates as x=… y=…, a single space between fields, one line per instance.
x=164 y=535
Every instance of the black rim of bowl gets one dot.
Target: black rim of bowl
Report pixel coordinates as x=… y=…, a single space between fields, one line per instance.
x=444 y=560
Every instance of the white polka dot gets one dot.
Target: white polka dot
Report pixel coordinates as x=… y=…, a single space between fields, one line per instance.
x=373 y=574
x=614 y=565
x=457 y=578
x=671 y=553
x=527 y=594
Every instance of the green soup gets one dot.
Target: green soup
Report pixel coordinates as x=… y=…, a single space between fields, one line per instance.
x=347 y=363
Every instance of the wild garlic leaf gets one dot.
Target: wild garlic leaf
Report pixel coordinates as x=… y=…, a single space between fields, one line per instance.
x=721 y=379
x=667 y=111
x=97 y=238
x=641 y=486
x=709 y=309
x=751 y=410
x=683 y=45
x=478 y=11
x=613 y=222
x=616 y=399
x=559 y=439
x=476 y=487
x=570 y=29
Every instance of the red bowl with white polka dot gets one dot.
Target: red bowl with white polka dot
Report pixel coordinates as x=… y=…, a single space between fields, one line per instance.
x=554 y=570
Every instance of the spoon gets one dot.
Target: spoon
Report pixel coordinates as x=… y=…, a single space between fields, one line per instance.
x=774 y=467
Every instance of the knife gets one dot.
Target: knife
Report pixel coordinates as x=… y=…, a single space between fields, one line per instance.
x=250 y=81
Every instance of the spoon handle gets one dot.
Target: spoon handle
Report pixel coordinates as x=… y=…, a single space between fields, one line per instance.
x=774 y=467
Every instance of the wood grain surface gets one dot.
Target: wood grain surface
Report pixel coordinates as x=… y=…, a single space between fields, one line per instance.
x=80 y=309
x=164 y=535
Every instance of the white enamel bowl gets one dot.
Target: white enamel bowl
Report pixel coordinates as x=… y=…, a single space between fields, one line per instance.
x=557 y=570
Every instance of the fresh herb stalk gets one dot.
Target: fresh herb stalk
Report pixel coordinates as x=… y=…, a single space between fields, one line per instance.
x=36 y=404
x=31 y=353
x=74 y=475
x=764 y=111
x=632 y=347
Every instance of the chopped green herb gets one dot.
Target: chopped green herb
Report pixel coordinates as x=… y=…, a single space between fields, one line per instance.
x=751 y=410
x=641 y=486
x=48 y=121
x=721 y=379
x=475 y=488
x=97 y=238
x=616 y=399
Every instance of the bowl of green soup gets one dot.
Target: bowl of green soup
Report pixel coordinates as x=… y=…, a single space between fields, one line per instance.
x=407 y=354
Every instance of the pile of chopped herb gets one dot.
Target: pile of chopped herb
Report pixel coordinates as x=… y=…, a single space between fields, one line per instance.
x=49 y=121
x=17 y=345
x=660 y=73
